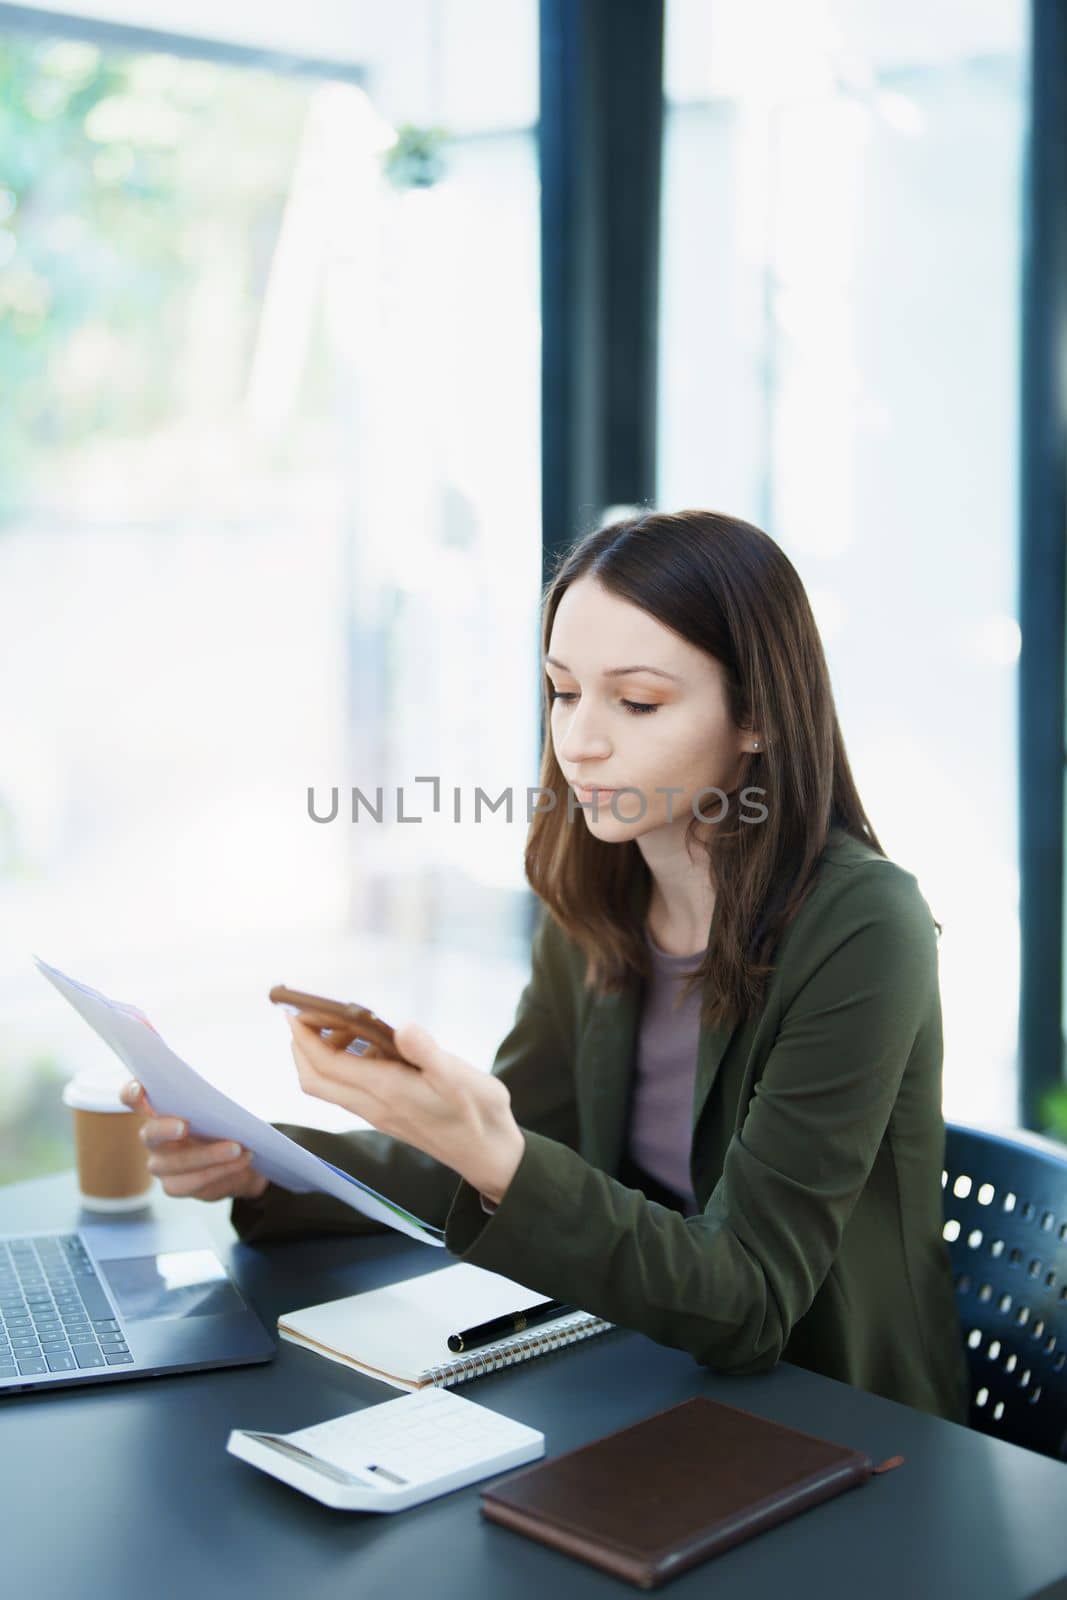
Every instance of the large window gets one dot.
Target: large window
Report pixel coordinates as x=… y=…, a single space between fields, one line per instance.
x=269 y=523
x=839 y=357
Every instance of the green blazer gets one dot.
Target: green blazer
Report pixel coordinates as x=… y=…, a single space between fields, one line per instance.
x=816 y=1158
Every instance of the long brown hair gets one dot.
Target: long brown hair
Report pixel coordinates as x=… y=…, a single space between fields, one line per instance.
x=728 y=588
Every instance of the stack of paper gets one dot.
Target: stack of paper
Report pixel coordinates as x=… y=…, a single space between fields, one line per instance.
x=176 y=1090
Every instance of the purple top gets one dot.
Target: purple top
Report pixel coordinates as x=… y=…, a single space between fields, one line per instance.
x=661 y=1116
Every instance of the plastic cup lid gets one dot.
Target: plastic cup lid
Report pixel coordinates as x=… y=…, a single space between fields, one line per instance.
x=94 y=1092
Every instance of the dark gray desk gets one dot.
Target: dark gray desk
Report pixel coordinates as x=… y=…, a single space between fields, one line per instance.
x=126 y=1490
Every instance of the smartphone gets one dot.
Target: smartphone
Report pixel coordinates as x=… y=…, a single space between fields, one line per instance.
x=338 y=1019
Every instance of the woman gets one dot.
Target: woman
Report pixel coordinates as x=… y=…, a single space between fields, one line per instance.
x=717 y=1116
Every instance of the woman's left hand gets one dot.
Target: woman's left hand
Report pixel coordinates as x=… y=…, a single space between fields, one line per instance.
x=441 y=1104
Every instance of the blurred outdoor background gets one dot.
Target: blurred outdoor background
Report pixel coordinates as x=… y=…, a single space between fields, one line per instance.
x=270 y=488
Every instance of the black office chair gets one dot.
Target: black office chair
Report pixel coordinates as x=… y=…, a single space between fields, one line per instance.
x=1005 y=1205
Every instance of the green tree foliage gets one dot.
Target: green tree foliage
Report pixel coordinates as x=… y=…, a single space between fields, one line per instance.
x=83 y=257
x=123 y=179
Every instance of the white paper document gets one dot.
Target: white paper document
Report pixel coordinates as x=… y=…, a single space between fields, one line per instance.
x=176 y=1090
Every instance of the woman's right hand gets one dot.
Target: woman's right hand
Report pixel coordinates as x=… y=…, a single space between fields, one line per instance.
x=205 y=1169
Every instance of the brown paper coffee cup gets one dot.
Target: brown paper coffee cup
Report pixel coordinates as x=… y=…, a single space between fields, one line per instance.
x=112 y=1162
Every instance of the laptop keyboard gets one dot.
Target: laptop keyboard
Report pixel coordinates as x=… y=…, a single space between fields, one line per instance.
x=54 y=1314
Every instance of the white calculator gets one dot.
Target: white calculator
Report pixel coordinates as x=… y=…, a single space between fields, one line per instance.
x=393 y=1455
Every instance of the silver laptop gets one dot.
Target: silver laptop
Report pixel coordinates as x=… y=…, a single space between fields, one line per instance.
x=114 y=1300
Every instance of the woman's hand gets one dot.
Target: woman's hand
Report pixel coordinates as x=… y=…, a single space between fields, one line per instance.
x=206 y=1169
x=440 y=1103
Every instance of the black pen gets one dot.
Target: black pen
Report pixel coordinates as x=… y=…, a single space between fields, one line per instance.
x=501 y=1327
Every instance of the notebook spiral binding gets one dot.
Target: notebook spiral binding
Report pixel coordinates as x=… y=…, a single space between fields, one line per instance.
x=520 y=1347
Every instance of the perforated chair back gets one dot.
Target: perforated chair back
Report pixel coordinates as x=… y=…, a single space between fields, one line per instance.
x=1005 y=1207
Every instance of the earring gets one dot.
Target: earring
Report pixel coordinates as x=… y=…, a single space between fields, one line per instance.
x=755 y=744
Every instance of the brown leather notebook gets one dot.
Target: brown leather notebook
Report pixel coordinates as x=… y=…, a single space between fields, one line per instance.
x=655 y=1498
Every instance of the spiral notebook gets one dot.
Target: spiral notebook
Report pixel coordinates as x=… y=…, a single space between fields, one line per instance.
x=399 y=1334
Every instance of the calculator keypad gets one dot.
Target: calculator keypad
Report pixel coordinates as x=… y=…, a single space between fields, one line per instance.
x=418 y=1438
